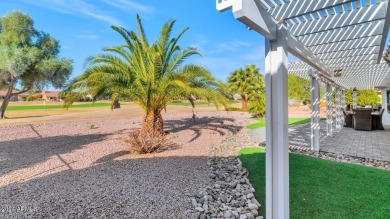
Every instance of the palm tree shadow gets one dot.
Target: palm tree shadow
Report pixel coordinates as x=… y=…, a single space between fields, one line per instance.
x=217 y=124
x=23 y=153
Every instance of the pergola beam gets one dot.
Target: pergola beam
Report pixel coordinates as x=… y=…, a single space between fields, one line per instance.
x=356 y=63
x=351 y=59
x=347 y=45
x=255 y=17
x=342 y=34
x=369 y=14
x=224 y=5
x=296 y=8
x=349 y=53
x=385 y=30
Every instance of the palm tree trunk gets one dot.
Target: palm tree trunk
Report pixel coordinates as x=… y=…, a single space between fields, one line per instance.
x=152 y=124
x=244 y=102
x=7 y=99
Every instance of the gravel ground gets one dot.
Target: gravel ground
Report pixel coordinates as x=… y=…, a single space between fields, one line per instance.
x=67 y=170
x=229 y=193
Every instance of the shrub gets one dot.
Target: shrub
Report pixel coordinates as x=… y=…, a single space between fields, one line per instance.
x=30 y=98
x=91 y=126
x=146 y=143
x=233 y=109
x=257 y=107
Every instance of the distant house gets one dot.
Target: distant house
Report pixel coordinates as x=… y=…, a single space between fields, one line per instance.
x=237 y=97
x=50 y=95
x=18 y=97
x=23 y=96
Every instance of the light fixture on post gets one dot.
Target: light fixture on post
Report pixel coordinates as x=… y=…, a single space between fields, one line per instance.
x=337 y=73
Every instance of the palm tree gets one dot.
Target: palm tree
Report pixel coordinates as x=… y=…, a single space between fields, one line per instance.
x=245 y=81
x=150 y=74
x=386 y=55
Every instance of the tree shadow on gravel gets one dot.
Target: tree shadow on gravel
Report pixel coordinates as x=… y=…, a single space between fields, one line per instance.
x=158 y=187
x=218 y=124
x=23 y=153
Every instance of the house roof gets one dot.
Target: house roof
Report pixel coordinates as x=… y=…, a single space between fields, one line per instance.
x=52 y=94
x=4 y=92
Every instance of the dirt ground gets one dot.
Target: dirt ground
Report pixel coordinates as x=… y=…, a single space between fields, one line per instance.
x=128 y=110
x=90 y=114
x=66 y=170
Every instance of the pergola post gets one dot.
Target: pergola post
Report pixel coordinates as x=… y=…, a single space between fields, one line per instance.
x=315 y=111
x=354 y=96
x=343 y=106
x=329 y=110
x=277 y=160
x=338 y=108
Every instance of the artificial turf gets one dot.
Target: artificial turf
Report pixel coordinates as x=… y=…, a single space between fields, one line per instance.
x=291 y=121
x=325 y=189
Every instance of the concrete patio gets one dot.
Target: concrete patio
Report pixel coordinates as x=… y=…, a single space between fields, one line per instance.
x=347 y=141
x=365 y=144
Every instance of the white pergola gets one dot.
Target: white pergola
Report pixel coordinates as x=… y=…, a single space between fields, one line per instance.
x=329 y=36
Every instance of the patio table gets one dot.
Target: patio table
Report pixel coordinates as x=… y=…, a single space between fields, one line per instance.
x=376 y=121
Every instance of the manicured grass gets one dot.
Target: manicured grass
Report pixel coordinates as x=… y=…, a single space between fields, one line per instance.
x=59 y=106
x=325 y=189
x=291 y=121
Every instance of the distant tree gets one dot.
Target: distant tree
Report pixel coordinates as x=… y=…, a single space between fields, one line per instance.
x=246 y=81
x=256 y=97
x=348 y=98
x=364 y=97
x=151 y=74
x=28 y=57
x=386 y=55
x=298 y=89
x=368 y=98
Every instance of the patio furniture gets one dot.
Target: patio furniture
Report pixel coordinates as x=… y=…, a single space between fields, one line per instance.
x=377 y=120
x=348 y=119
x=362 y=119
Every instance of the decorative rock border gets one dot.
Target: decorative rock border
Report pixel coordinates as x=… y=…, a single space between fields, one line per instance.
x=341 y=157
x=229 y=193
x=385 y=165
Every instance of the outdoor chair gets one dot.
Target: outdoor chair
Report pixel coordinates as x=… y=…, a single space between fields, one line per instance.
x=378 y=120
x=362 y=119
x=348 y=118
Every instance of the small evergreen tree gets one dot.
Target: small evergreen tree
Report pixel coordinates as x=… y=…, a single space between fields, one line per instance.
x=28 y=57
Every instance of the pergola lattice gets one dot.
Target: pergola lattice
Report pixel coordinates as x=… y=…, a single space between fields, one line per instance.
x=337 y=34
x=327 y=36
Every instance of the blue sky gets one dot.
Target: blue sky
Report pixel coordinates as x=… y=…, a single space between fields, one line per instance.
x=83 y=28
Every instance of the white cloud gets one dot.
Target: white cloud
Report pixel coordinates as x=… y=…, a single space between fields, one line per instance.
x=129 y=6
x=234 y=46
x=75 y=7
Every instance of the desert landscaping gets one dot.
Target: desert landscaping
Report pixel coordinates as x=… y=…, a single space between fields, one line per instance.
x=170 y=110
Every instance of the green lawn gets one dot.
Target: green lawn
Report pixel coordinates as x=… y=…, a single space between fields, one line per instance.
x=325 y=189
x=291 y=121
x=36 y=107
